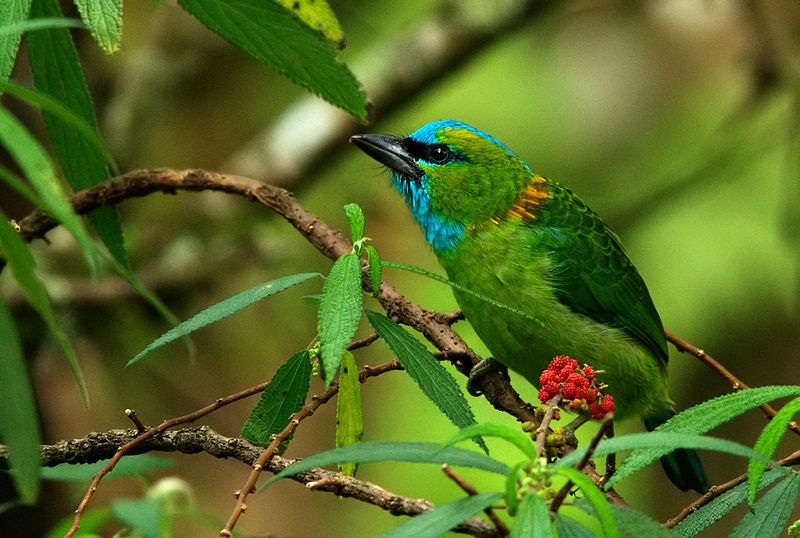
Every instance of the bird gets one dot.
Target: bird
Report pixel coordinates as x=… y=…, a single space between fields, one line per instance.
x=505 y=232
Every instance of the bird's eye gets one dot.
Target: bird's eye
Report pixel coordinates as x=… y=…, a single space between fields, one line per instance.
x=439 y=154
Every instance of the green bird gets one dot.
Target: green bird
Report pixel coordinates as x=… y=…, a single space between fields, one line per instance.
x=504 y=232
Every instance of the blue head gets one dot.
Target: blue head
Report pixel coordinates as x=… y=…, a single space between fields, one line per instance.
x=451 y=175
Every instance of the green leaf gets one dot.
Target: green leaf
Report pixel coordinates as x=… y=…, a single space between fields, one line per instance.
x=705 y=417
x=595 y=497
x=19 y=257
x=39 y=170
x=566 y=527
x=19 y=426
x=55 y=107
x=57 y=72
x=771 y=513
x=318 y=15
x=664 y=440
x=356 y=219
x=31 y=25
x=376 y=451
x=349 y=413
x=223 y=309
x=709 y=514
x=512 y=478
x=15 y=182
x=284 y=395
x=273 y=35
x=13 y=14
x=104 y=19
x=339 y=312
x=434 y=380
x=533 y=519
x=134 y=465
x=512 y=434
x=375 y=269
x=635 y=523
x=143 y=515
x=443 y=280
x=435 y=522
x=767 y=443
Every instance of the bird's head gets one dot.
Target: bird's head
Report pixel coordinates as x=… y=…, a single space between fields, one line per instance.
x=451 y=175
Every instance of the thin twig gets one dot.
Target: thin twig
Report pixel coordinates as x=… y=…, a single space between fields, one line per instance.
x=611 y=459
x=131 y=414
x=544 y=427
x=715 y=491
x=736 y=383
x=470 y=490
x=314 y=403
x=124 y=449
x=587 y=456
x=97 y=446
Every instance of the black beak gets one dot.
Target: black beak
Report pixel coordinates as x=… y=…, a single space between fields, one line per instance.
x=389 y=150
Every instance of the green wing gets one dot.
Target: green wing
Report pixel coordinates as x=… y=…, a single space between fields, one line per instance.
x=592 y=274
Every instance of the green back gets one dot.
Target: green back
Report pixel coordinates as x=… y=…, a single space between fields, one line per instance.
x=592 y=274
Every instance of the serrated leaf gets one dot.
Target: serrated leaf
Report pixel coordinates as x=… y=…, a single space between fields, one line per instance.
x=37 y=167
x=433 y=523
x=375 y=266
x=223 y=309
x=767 y=443
x=512 y=434
x=13 y=14
x=134 y=465
x=566 y=527
x=378 y=451
x=19 y=425
x=318 y=15
x=771 y=513
x=284 y=395
x=667 y=441
x=57 y=72
x=705 y=417
x=718 y=508
x=355 y=216
x=634 y=523
x=19 y=257
x=274 y=36
x=597 y=500
x=434 y=380
x=339 y=312
x=532 y=519
x=349 y=413
x=104 y=19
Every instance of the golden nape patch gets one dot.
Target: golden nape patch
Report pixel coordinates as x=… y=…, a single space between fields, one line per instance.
x=533 y=195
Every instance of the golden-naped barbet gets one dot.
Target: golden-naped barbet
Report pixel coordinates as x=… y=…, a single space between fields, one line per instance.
x=527 y=242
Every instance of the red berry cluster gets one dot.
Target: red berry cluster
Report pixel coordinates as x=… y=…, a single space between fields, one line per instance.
x=579 y=388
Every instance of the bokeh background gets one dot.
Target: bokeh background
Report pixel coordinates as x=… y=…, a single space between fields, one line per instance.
x=676 y=120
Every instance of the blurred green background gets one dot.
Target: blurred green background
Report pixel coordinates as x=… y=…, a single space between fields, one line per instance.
x=676 y=120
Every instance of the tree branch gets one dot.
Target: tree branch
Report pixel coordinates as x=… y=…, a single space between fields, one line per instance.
x=327 y=240
x=737 y=384
x=98 y=446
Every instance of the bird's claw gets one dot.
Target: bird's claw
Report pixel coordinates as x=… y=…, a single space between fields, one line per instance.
x=484 y=367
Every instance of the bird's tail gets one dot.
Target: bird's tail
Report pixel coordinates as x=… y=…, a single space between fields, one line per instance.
x=682 y=466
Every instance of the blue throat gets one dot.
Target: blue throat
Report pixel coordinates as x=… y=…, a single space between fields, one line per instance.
x=440 y=234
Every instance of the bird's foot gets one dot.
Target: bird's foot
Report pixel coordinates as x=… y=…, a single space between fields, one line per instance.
x=484 y=367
